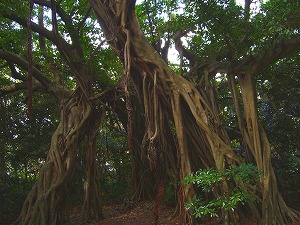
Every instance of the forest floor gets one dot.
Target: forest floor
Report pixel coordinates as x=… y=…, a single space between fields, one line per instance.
x=141 y=214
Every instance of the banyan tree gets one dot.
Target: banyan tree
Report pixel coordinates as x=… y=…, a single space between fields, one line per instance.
x=172 y=116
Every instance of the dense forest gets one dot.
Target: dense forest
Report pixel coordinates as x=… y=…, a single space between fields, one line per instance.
x=194 y=104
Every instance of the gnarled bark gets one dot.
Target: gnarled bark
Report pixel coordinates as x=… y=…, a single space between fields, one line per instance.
x=274 y=210
x=92 y=209
x=166 y=95
x=46 y=201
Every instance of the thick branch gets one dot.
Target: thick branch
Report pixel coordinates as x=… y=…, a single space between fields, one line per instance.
x=41 y=23
x=259 y=62
x=68 y=22
x=18 y=87
x=59 y=41
x=80 y=25
x=180 y=48
x=197 y=64
x=55 y=89
x=105 y=11
x=39 y=29
x=12 y=88
x=14 y=73
x=59 y=10
x=13 y=58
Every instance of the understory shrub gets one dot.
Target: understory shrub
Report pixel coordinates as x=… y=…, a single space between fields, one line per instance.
x=210 y=179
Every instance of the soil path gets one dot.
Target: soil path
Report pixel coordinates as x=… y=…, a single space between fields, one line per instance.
x=142 y=214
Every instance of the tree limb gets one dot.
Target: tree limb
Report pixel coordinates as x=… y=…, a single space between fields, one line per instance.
x=18 y=87
x=13 y=87
x=67 y=20
x=44 y=82
x=70 y=53
x=81 y=23
x=39 y=29
x=13 y=58
x=14 y=73
x=180 y=48
x=41 y=23
x=259 y=62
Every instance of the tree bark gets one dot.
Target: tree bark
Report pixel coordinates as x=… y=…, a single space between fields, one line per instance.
x=274 y=210
x=166 y=94
x=47 y=199
x=160 y=88
x=92 y=209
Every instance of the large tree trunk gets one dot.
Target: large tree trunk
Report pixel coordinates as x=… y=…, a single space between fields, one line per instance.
x=142 y=179
x=166 y=95
x=46 y=201
x=92 y=209
x=274 y=209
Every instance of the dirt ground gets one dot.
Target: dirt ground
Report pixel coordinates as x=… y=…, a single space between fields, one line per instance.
x=141 y=214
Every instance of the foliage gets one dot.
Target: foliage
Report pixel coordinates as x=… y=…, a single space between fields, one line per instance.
x=210 y=179
x=24 y=144
x=280 y=109
x=170 y=194
x=115 y=164
x=13 y=190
